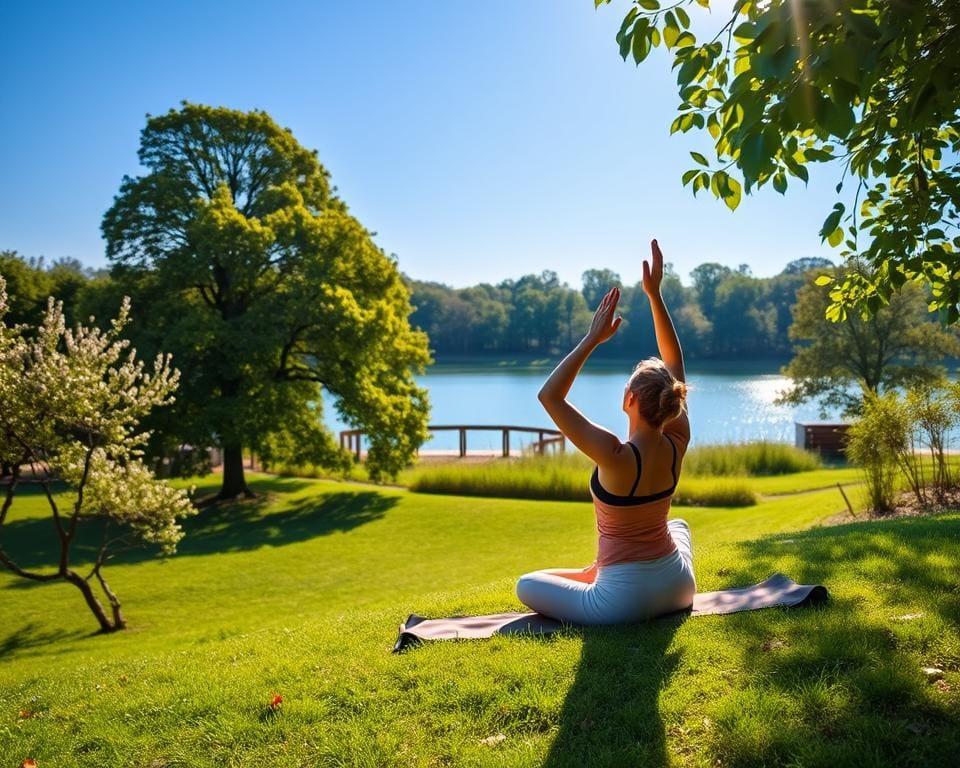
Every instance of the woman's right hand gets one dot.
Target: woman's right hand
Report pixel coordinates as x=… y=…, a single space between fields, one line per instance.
x=605 y=320
x=653 y=271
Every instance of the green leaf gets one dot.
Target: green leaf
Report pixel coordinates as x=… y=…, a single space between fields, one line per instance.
x=862 y=25
x=691 y=69
x=753 y=155
x=734 y=194
x=823 y=280
x=780 y=182
x=625 y=41
x=701 y=182
x=745 y=32
x=641 y=42
x=831 y=226
x=650 y=5
x=699 y=158
x=713 y=125
x=683 y=17
x=670 y=30
x=688 y=176
x=655 y=37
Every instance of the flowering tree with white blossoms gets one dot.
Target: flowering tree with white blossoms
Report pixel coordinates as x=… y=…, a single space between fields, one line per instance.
x=70 y=405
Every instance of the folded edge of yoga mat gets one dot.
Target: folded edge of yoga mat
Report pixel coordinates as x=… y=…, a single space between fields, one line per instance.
x=778 y=590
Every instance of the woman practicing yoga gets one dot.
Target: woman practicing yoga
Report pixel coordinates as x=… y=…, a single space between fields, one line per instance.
x=644 y=563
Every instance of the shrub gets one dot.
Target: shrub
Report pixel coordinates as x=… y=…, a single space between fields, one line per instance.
x=874 y=442
x=933 y=409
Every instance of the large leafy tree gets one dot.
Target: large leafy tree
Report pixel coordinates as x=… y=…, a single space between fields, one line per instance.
x=840 y=363
x=871 y=86
x=73 y=401
x=253 y=273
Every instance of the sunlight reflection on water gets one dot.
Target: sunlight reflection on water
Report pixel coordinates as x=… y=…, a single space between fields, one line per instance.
x=724 y=408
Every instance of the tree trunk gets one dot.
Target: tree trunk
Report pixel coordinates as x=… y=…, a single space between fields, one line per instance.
x=84 y=586
x=234 y=483
x=119 y=622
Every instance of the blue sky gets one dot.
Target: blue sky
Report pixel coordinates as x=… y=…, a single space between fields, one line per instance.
x=479 y=140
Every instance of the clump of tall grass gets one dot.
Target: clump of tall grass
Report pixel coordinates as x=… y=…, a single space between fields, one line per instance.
x=564 y=477
x=753 y=459
x=714 y=492
x=561 y=478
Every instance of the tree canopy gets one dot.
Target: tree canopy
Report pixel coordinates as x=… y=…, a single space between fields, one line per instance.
x=840 y=363
x=872 y=86
x=246 y=266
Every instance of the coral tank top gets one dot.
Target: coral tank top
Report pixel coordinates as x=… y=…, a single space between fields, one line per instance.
x=632 y=527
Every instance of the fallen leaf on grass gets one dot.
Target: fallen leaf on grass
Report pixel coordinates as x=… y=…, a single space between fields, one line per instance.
x=943 y=686
x=29 y=763
x=27 y=714
x=275 y=702
x=491 y=740
x=773 y=645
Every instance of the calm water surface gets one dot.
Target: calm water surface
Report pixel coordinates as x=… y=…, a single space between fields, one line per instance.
x=725 y=407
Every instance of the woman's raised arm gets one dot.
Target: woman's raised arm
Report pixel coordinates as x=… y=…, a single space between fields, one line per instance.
x=667 y=341
x=592 y=439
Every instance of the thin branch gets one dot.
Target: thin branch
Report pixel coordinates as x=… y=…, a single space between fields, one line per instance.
x=5 y=559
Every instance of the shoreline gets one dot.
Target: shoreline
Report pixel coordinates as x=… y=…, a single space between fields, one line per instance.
x=544 y=363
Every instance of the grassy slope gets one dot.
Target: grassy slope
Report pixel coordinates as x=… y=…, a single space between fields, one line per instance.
x=255 y=601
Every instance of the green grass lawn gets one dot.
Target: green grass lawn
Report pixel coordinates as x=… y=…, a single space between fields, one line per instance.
x=301 y=595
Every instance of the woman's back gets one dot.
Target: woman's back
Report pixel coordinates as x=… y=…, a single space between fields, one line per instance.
x=633 y=526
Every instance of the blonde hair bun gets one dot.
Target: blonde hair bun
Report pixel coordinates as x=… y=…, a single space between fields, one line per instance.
x=660 y=396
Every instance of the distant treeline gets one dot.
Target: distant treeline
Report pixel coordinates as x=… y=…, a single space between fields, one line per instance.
x=724 y=312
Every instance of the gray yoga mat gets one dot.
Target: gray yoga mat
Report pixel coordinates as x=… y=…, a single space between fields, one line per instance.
x=777 y=590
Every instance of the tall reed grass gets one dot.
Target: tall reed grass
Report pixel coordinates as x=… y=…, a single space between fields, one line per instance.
x=561 y=478
x=759 y=458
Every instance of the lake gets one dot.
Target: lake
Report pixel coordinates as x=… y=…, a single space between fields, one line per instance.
x=726 y=405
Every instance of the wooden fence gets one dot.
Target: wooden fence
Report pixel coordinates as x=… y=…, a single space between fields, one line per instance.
x=350 y=439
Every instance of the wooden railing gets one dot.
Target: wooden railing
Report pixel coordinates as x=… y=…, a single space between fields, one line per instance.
x=350 y=439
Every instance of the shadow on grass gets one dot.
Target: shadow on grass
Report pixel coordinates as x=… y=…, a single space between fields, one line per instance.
x=33 y=635
x=230 y=527
x=610 y=716
x=843 y=685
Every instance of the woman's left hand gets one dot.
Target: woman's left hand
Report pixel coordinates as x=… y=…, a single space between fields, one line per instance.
x=605 y=320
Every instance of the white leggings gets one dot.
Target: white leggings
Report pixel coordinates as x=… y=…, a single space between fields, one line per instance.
x=615 y=594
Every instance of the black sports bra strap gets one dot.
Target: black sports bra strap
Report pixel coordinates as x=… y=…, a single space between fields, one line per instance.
x=673 y=467
x=636 y=453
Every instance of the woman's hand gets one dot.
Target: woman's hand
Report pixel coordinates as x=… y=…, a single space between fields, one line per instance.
x=653 y=271
x=605 y=320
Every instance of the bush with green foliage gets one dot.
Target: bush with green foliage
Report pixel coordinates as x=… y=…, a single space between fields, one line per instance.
x=935 y=410
x=891 y=436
